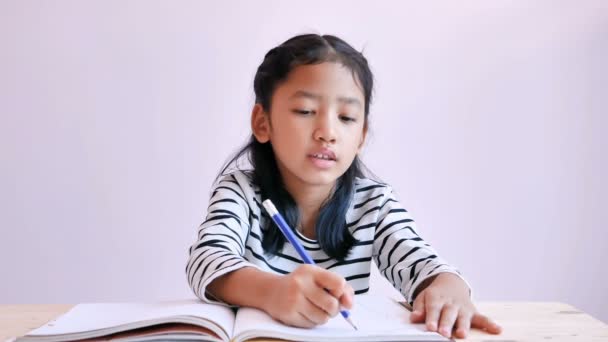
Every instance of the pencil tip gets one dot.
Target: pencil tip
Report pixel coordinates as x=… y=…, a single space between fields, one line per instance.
x=351 y=323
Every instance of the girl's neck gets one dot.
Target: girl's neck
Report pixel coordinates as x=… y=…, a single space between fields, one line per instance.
x=309 y=200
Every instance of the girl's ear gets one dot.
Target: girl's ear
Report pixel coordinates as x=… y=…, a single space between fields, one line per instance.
x=363 y=137
x=260 y=124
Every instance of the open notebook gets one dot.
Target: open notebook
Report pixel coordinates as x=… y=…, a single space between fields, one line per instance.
x=378 y=319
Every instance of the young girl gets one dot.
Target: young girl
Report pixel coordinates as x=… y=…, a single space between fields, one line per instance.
x=309 y=122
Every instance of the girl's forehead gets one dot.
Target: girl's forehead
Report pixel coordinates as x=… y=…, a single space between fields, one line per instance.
x=327 y=79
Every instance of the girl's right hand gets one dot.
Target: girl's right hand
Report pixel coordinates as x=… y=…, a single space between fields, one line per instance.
x=308 y=296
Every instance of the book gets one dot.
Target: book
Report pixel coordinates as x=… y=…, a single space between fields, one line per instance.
x=377 y=319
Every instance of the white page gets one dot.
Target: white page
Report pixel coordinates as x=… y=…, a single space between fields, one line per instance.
x=375 y=317
x=96 y=316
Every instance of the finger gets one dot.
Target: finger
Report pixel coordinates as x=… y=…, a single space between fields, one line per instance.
x=449 y=313
x=432 y=307
x=296 y=319
x=482 y=322
x=303 y=322
x=347 y=300
x=418 y=309
x=323 y=300
x=463 y=323
x=313 y=313
x=333 y=283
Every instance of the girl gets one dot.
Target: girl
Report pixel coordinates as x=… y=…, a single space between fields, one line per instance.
x=309 y=122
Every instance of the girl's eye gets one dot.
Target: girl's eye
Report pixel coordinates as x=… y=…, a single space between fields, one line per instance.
x=345 y=118
x=303 y=112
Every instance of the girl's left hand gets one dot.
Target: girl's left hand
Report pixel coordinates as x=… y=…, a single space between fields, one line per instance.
x=445 y=306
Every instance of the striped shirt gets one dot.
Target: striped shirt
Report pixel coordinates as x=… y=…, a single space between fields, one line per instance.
x=231 y=238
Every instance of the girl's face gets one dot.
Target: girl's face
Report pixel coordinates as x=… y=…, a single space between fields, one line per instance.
x=316 y=124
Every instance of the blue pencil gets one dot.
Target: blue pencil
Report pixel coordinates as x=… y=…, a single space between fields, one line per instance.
x=286 y=230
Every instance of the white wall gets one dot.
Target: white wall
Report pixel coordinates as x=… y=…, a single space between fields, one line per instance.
x=489 y=120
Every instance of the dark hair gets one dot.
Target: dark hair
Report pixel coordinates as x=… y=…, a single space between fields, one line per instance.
x=331 y=226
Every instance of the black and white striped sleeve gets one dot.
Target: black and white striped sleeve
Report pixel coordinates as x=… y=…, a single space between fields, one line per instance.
x=402 y=256
x=220 y=245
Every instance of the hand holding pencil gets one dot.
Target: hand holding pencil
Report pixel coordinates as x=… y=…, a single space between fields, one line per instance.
x=309 y=295
x=300 y=299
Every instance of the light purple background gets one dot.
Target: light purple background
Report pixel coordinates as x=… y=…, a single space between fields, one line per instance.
x=490 y=121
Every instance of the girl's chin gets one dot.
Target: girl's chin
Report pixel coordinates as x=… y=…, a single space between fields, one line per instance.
x=312 y=176
x=316 y=178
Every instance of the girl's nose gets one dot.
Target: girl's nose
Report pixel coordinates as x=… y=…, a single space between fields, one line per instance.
x=325 y=130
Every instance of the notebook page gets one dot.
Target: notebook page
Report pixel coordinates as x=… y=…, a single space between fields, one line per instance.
x=376 y=317
x=95 y=316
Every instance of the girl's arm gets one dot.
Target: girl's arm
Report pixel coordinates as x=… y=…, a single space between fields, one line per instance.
x=401 y=255
x=218 y=271
x=441 y=297
x=306 y=297
x=220 y=245
x=230 y=287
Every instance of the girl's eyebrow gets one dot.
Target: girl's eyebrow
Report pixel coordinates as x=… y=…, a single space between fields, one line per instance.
x=317 y=97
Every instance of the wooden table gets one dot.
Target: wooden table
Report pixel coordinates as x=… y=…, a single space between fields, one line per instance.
x=521 y=321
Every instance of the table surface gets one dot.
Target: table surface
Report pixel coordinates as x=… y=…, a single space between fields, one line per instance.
x=521 y=321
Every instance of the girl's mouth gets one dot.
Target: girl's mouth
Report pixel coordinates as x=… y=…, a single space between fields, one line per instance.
x=322 y=156
x=321 y=161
